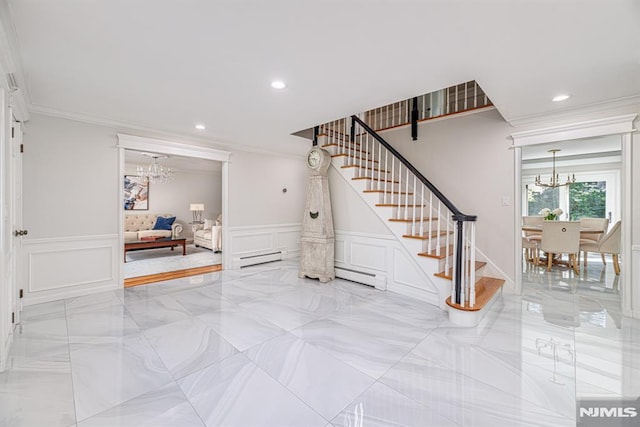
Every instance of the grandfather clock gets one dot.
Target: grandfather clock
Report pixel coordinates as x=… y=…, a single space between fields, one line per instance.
x=317 y=238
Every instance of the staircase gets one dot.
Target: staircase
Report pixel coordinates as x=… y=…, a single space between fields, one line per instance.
x=440 y=238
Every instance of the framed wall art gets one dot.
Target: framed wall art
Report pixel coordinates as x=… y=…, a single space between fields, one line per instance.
x=136 y=193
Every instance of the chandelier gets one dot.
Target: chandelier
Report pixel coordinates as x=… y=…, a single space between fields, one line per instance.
x=555 y=178
x=155 y=172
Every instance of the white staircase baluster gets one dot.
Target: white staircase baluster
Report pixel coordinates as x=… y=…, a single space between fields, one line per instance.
x=430 y=248
x=413 y=222
x=446 y=245
x=345 y=134
x=380 y=174
x=448 y=97
x=407 y=105
x=455 y=99
x=406 y=199
x=386 y=180
x=358 y=156
x=386 y=125
x=472 y=261
x=393 y=177
x=454 y=275
x=463 y=274
x=399 y=203
x=421 y=209
x=333 y=134
x=439 y=219
x=465 y=96
x=475 y=94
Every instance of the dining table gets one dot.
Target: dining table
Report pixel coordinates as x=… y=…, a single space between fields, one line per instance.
x=584 y=231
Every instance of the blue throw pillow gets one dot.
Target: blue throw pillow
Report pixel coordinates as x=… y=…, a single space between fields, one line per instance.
x=163 y=223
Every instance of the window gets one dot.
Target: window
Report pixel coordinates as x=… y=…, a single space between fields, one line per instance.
x=539 y=198
x=588 y=200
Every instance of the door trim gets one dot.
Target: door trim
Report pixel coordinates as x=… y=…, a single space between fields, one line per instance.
x=616 y=125
x=137 y=143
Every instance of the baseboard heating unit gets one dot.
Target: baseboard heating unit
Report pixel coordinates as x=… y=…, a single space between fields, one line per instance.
x=250 y=260
x=364 y=277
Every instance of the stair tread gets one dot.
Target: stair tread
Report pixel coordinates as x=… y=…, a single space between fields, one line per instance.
x=402 y=205
x=364 y=167
x=449 y=274
x=388 y=192
x=353 y=157
x=486 y=287
x=411 y=219
x=426 y=236
x=337 y=145
x=443 y=253
x=375 y=179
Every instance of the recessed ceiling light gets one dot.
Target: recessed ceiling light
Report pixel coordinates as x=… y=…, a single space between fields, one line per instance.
x=278 y=84
x=200 y=127
x=562 y=97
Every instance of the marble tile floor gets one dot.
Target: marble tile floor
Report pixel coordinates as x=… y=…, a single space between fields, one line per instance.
x=261 y=347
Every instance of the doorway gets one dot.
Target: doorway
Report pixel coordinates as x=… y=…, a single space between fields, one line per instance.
x=620 y=127
x=193 y=165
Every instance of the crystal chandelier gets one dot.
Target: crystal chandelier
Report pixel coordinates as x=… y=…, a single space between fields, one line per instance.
x=555 y=178
x=155 y=172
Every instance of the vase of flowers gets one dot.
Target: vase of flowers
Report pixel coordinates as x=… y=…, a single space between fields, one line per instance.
x=550 y=215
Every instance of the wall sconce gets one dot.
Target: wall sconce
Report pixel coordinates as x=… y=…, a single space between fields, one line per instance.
x=196 y=210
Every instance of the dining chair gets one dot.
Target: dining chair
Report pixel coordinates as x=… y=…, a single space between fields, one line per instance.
x=531 y=249
x=594 y=223
x=608 y=244
x=531 y=239
x=561 y=237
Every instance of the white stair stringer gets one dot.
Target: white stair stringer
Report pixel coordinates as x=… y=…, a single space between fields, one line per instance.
x=436 y=290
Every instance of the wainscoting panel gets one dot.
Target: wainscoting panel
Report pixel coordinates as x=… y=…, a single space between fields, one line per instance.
x=255 y=241
x=381 y=261
x=368 y=255
x=57 y=268
x=631 y=299
x=258 y=241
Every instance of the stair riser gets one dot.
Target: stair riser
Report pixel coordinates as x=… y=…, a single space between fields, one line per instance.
x=415 y=229
x=395 y=199
x=351 y=152
x=366 y=173
x=435 y=243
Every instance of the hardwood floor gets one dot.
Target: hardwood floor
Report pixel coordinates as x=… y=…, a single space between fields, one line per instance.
x=153 y=278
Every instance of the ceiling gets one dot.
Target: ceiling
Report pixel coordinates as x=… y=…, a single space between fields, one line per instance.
x=165 y=65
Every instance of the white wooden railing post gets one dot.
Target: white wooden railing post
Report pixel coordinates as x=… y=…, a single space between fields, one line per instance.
x=472 y=262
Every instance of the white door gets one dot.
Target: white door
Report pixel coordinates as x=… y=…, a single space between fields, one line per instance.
x=10 y=243
x=17 y=232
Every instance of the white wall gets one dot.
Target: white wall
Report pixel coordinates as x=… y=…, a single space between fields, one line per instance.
x=256 y=181
x=263 y=219
x=187 y=187
x=350 y=212
x=70 y=178
x=468 y=159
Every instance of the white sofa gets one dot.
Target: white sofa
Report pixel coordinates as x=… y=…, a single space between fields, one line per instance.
x=209 y=234
x=137 y=226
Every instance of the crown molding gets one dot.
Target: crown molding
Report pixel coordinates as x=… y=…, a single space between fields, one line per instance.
x=575 y=112
x=585 y=129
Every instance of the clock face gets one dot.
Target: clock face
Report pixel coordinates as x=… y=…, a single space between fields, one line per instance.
x=314 y=158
